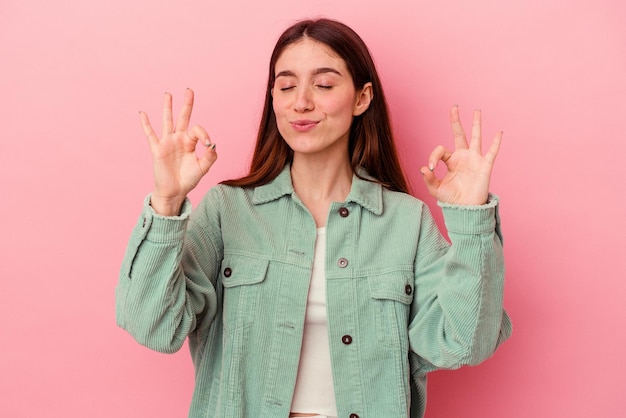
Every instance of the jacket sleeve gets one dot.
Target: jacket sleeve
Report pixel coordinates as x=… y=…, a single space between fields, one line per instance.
x=167 y=282
x=457 y=317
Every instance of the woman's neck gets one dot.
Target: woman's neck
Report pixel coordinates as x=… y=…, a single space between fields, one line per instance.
x=319 y=182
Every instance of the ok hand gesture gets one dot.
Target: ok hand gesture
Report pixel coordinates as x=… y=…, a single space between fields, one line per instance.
x=177 y=168
x=469 y=171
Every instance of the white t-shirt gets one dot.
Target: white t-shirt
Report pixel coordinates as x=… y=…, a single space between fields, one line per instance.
x=314 y=392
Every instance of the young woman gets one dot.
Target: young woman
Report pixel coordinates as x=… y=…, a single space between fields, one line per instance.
x=316 y=285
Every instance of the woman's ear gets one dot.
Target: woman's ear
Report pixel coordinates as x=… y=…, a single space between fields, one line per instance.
x=363 y=99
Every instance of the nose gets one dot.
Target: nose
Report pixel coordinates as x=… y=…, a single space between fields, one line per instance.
x=304 y=100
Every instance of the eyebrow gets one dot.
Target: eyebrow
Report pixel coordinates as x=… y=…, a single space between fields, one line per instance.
x=318 y=71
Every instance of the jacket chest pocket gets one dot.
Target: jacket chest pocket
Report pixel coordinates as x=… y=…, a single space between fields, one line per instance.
x=242 y=278
x=392 y=294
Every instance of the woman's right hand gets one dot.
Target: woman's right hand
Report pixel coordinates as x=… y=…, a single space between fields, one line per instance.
x=177 y=168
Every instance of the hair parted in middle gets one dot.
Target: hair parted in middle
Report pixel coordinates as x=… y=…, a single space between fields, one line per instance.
x=371 y=144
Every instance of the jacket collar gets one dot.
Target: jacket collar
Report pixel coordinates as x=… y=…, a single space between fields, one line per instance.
x=365 y=193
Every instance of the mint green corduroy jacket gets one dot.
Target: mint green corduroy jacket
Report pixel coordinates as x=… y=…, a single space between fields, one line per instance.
x=233 y=278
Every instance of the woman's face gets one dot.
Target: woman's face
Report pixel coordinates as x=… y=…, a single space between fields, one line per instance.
x=314 y=99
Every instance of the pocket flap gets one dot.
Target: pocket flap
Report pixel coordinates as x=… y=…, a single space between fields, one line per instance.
x=240 y=270
x=397 y=285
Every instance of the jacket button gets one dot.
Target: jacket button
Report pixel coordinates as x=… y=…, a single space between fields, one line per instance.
x=346 y=339
x=408 y=289
x=342 y=262
x=354 y=416
x=344 y=212
x=227 y=272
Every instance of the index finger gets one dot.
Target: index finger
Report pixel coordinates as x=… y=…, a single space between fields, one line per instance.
x=460 y=142
x=185 y=112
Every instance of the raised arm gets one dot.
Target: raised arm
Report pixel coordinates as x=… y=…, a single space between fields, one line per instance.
x=166 y=290
x=459 y=317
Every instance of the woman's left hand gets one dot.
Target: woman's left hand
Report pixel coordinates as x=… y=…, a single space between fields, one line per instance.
x=469 y=171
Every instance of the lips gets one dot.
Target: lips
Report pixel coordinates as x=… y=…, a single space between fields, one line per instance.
x=304 y=125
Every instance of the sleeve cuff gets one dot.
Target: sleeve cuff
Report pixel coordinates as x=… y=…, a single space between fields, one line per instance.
x=159 y=228
x=475 y=219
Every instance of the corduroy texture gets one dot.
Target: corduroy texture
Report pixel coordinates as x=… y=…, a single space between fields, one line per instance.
x=234 y=276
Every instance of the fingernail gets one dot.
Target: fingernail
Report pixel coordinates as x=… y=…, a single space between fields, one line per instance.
x=213 y=146
x=431 y=167
x=207 y=144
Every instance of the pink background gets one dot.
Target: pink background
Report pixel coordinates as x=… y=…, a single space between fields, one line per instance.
x=75 y=167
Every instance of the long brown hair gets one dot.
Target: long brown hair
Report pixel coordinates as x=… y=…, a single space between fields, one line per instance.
x=371 y=145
